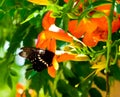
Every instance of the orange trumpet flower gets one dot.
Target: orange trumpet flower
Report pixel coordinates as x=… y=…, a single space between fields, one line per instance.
x=47 y=40
x=92 y=30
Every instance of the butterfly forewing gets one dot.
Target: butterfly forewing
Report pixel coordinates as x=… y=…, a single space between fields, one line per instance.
x=40 y=58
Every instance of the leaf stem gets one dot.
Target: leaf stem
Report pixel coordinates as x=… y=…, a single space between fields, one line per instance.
x=2 y=3
x=109 y=41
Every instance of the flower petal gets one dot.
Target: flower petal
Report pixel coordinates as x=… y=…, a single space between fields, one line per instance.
x=52 y=45
x=90 y=25
x=65 y=56
x=99 y=22
x=61 y=35
x=99 y=66
x=55 y=63
x=20 y=90
x=76 y=29
x=89 y=40
x=104 y=8
x=40 y=2
x=115 y=25
x=51 y=71
x=42 y=41
x=32 y=93
x=47 y=21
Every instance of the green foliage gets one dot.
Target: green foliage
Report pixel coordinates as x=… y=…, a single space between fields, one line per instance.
x=100 y=82
x=40 y=80
x=115 y=71
x=118 y=7
x=66 y=89
x=94 y=93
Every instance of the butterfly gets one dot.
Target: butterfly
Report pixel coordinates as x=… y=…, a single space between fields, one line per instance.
x=40 y=58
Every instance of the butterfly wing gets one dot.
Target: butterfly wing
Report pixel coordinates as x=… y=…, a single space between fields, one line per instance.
x=40 y=58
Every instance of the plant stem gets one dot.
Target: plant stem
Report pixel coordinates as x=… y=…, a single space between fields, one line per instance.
x=109 y=41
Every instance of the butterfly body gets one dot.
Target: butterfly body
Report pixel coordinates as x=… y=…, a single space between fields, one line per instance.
x=40 y=59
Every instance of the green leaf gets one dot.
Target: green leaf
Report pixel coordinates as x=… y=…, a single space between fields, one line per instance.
x=27 y=93
x=2 y=13
x=12 y=12
x=9 y=82
x=4 y=70
x=73 y=81
x=72 y=16
x=118 y=8
x=17 y=37
x=8 y=3
x=84 y=85
x=94 y=93
x=100 y=82
x=81 y=68
x=115 y=72
x=36 y=82
x=66 y=89
x=59 y=22
x=56 y=9
x=13 y=72
x=33 y=73
x=65 y=22
x=116 y=37
x=61 y=2
x=33 y=15
x=67 y=72
x=28 y=41
x=68 y=7
x=39 y=80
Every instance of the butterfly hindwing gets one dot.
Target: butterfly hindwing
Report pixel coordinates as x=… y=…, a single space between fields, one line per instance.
x=40 y=58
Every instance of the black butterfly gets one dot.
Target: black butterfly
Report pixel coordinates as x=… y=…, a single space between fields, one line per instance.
x=41 y=59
